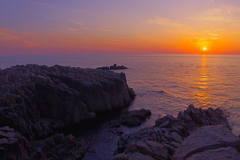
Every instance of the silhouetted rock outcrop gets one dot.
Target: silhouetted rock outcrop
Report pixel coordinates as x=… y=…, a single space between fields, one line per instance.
x=35 y=100
x=113 y=67
x=169 y=139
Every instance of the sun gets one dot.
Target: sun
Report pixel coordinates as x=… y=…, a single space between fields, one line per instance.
x=204 y=48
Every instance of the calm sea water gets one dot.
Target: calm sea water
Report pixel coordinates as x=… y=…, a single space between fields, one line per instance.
x=165 y=84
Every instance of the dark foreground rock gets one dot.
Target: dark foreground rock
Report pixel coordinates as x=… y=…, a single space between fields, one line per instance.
x=194 y=134
x=35 y=100
x=14 y=146
x=208 y=142
x=113 y=67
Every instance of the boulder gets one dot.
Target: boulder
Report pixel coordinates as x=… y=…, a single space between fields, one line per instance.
x=227 y=153
x=139 y=156
x=197 y=117
x=180 y=137
x=135 y=117
x=207 y=138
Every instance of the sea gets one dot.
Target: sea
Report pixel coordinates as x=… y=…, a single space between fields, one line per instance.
x=163 y=83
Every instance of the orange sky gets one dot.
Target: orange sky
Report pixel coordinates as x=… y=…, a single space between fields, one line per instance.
x=32 y=27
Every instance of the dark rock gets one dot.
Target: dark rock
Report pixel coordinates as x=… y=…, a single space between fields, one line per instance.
x=135 y=117
x=194 y=117
x=35 y=100
x=104 y=68
x=120 y=157
x=58 y=146
x=118 y=67
x=139 y=156
x=14 y=146
x=113 y=67
x=170 y=136
x=205 y=139
x=227 y=153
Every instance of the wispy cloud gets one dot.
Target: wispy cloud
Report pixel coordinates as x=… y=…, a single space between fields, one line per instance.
x=76 y=22
x=105 y=30
x=224 y=13
x=72 y=29
x=207 y=35
x=15 y=40
x=149 y=39
x=79 y=23
x=167 y=22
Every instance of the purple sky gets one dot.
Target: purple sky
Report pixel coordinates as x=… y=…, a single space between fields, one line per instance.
x=107 y=26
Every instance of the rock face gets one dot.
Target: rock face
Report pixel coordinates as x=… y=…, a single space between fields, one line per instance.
x=35 y=100
x=14 y=146
x=207 y=142
x=58 y=146
x=169 y=138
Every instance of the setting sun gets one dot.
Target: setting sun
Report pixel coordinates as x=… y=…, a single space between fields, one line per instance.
x=204 y=48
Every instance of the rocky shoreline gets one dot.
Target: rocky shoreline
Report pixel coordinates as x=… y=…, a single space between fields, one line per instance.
x=196 y=134
x=36 y=101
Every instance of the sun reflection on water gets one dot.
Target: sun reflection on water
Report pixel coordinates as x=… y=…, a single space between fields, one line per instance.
x=202 y=95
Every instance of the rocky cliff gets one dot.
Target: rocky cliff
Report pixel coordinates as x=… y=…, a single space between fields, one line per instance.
x=35 y=100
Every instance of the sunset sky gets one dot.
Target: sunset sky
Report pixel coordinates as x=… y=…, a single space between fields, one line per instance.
x=126 y=26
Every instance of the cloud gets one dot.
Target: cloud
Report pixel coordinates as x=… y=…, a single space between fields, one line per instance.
x=76 y=22
x=72 y=29
x=167 y=22
x=207 y=35
x=105 y=30
x=224 y=13
x=15 y=40
x=80 y=24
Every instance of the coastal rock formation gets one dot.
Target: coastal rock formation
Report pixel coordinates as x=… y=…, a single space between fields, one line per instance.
x=131 y=118
x=207 y=141
x=58 y=146
x=113 y=67
x=35 y=100
x=14 y=146
x=192 y=134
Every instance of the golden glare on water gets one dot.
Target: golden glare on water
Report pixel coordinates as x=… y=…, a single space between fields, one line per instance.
x=202 y=94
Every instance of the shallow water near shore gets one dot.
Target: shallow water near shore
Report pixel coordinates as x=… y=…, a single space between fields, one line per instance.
x=165 y=84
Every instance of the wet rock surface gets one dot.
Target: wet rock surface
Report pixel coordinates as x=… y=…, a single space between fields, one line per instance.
x=194 y=134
